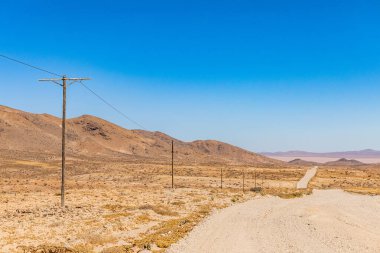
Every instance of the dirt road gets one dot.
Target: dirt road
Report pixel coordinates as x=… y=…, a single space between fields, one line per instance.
x=326 y=221
x=310 y=173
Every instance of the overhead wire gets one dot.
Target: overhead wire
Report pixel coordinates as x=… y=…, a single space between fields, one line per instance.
x=113 y=107
x=29 y=65
x=85 y=86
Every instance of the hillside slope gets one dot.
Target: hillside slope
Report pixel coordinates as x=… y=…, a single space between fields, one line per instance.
x=301 y=162
x=91 y=136
x=344 y=162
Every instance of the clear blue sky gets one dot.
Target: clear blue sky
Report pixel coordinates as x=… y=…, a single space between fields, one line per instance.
x=263 y=75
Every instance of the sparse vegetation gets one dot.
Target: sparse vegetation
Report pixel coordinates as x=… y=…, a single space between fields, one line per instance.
x=109 y=202
x=169 y=232
x=363 y=179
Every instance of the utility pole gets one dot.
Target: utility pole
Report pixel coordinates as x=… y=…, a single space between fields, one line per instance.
x=243 y=178
x=64 y=80
x=255 y=178
x=221 y=177
x=172 y=164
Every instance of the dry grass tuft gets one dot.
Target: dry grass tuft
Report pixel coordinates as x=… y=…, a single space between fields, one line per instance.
x=47 y=249
x=171 y=231
x=116 y=215
x=97 y=238
x=117 y=207
x=286 y=193
x=159 y=209
x=143 y=218
x=178 y=203
x=364 y=191
x=83 y=248
x=118 y=249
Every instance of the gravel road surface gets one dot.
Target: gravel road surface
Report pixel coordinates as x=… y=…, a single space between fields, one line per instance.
x=310 y=173
x=326 y=221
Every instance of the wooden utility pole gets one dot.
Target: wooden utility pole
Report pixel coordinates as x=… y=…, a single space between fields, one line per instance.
x=243 y=178
x=63 y=142
x=172 y=164
x=64 y=80
x=255 y=178
x=221 y=177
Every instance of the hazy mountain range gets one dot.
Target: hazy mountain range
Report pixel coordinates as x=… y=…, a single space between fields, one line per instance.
x=365 y=153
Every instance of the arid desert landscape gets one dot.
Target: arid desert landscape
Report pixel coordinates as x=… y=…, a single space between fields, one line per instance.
x=189 y=126
x=114 y=205
x=122 y=201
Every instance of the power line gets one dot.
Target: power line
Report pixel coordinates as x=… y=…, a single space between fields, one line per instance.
x=31 y=66
x=90 y=90
x=113 y=107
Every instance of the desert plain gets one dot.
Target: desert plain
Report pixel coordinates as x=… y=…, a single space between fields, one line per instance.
x=119 y=195
x=121 y=206
x=113 y=206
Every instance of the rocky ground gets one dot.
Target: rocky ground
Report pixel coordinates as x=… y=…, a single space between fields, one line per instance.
x=113 y=206
x=118 y=206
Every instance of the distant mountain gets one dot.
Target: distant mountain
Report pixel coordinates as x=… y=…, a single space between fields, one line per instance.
x=94 y=137
x=344 y=162
x=366 y=153
x=301 y=162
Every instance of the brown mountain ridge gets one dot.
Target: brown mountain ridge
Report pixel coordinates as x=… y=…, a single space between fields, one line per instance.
x=301 y=162
x=91 y=136
x=344 y=162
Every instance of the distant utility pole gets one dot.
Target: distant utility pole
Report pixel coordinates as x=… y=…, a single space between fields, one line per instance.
x=221 y=177
x=172 y=164
x=243 y=178
x=255 y=177
x=64 y=80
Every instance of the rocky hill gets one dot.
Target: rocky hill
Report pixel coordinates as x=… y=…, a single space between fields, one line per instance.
x=94 y=137
x=301 y=162
x=344 y=162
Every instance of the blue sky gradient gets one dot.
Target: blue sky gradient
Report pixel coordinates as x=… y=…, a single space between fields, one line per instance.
x=263 y=75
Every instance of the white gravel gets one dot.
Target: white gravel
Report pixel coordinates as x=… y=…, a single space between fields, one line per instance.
x=310 y=173
x=326 y=221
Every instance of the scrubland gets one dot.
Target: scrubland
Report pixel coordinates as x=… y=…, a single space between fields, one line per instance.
x=118 y=206
x=364 y=179
x=123 y=206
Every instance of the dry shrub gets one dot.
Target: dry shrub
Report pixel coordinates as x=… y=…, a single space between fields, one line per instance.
x=286 y=193
x=118 y=249
x=98 y=239
x=165 y=211
x=256 y=189
x=47 y=249
x=117 y=207
x=159 y=209
x=178 y=203
x=171 y=231
x=364 y=190
x=83 y=248
x=146 y=207
x=198 y=199
x=143 y=218
x=116 y=215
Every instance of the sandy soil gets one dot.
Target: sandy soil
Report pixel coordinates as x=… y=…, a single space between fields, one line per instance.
x=359 y=179
x=302 y=184
x=116 y=204
x=326 y=221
